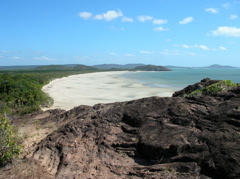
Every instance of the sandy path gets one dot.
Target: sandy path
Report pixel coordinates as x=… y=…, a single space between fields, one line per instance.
x=93 y=88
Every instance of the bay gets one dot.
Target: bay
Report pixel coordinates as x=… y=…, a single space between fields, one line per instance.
x=179 y=78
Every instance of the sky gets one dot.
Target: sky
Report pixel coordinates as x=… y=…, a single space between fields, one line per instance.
x=160 y=32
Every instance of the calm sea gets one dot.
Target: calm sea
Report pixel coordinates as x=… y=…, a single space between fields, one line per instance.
x=180 y=78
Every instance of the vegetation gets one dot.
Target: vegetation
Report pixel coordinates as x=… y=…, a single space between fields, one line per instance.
x=21 y=91
x=221 y=86
x=8 y=142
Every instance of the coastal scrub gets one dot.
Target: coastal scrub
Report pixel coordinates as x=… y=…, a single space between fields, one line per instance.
x=221 y=86
x=9 y=147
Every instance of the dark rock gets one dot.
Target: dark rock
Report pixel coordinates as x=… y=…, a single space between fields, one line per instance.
x=153 y=137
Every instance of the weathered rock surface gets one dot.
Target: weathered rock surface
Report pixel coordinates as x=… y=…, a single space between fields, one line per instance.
x=197 y=137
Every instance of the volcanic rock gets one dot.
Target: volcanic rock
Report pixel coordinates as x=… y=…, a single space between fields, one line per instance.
x=173 y=137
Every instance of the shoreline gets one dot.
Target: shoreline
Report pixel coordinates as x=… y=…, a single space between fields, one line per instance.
x=99 y=87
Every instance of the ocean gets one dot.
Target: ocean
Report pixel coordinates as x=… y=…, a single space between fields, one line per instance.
x=179 y=78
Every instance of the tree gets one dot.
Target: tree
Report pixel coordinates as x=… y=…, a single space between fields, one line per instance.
x=8 y=141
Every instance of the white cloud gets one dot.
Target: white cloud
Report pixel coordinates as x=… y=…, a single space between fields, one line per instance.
x=44 y=58
x=226 y=5
x=161 y=29
x=144 y=18
x=159 y=21
x=212 y=10
x=186 y=20
x=85 y=15
x=109 y=15
x=129 y=55
x=112 y=53
x=203 y=47
x=17 y=58
x=98 y=17
x=233 y=16
x=146 y=52
x=186 y=46
x=222 y=48
x=227 y=31
x=127 y=19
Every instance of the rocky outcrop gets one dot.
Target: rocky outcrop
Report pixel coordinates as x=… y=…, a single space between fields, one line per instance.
x=208 y=87
x=197 y=86
x=195 y=137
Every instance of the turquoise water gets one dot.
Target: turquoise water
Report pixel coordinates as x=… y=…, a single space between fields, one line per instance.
x=180 y=78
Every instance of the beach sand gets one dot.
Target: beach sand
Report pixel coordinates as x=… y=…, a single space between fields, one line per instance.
x=101 y=87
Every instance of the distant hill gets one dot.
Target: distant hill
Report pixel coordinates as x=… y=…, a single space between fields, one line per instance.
x=53 y=67
x=65 y=67
x=47 y=67
x=151 y=68
x=219 y=66
x=18 y=67
x=117 y=66
x=170 y=66
x=84 y=67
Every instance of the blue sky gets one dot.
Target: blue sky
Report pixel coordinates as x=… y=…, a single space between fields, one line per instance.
x=161 y=32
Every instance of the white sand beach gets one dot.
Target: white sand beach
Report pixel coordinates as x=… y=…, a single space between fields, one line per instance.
x=101 y=87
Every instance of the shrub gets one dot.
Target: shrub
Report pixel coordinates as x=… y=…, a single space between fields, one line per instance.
x=221 y=86
x=8 y=141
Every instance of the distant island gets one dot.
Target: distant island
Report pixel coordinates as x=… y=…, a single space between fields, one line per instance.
x=117 y=66
x=210 y=66
x=219 y=66
x=152 y=68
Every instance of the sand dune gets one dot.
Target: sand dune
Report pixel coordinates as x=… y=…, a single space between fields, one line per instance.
x=101 y=87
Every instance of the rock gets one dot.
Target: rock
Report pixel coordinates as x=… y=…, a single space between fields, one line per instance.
x=153 y=137
x=208 y=87
x=197 y=86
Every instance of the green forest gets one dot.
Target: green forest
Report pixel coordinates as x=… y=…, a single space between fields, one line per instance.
x=21 y=90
